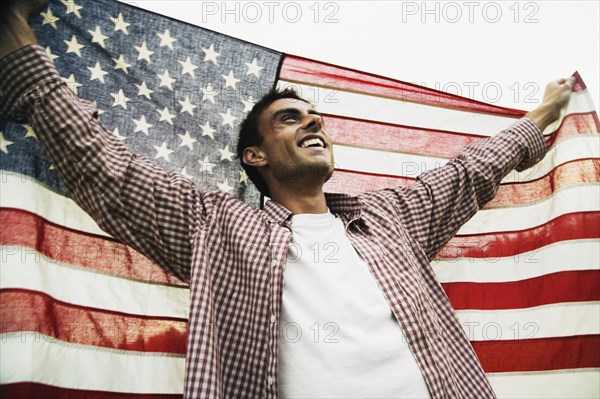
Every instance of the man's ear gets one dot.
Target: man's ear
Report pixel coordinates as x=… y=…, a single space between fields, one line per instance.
x=253 y=156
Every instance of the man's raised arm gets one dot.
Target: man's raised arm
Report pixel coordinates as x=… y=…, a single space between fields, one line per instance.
x=442 y=200
x=129 y=196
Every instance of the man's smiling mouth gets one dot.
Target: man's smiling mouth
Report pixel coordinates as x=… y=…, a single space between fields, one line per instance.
x=312 y=142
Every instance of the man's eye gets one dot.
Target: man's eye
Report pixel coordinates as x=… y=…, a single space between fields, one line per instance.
x=289 y=118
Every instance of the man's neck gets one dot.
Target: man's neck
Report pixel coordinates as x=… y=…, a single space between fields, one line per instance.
x=301 y=201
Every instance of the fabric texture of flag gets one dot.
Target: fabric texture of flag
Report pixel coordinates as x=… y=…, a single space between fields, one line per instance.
x=84 y=316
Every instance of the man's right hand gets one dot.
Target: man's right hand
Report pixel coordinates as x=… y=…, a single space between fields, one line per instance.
x=14 y=28
x=556 y=96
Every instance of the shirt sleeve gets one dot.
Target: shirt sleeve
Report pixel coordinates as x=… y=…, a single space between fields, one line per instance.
x=129 y=196
x=434 y=208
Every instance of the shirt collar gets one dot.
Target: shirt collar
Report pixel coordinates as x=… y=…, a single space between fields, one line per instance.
x=347 y=207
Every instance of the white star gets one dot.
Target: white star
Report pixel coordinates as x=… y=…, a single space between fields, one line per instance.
x=166 y=39
x=72 y=83
x=225 y=186
x=121 y=64
x=209 y=93
x=74 y=46
x=97 y=72
x=72 y=7
x=187 y=140
x=207 y=166
x=119 y=99
x=50 y=55
x=142 y=125
x=188 y=67
x=243 y=177
x=97 y=36
x=207 y=130
x=226 y=154
x=253 y=68
x=230 y=80
x=165 y=115
x=143 y=90
x=118 y=135
x=4 y=143
x=210 y=54
x=184 y=173
x=187 y=106
x=49 y=18
x=29 y=132
x=163 y=151
x=120 y=24
x=248 y=104
x=166 y=80
x=228 y=118
x=144 y=53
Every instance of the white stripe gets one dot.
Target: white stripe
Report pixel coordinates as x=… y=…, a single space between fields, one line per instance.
x=28 y=269
x=556 y=257
x=556 y=320
x=557 y=384
x=383 y=162
x=35 y=357
x=20 y=194
x=581 y=198
x=367 y=107
x=23 y=192
x=411 y=165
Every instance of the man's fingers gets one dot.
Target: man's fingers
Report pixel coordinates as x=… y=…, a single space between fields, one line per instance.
x=567 y=81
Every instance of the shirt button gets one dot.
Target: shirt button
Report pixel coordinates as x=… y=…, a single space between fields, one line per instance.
x=273 y=318
x=273 y=263
x=270 y=380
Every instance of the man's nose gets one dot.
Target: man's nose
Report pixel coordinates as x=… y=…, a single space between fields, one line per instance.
x=313 y=123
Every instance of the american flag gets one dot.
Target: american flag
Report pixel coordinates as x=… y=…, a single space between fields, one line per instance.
x=82 y=315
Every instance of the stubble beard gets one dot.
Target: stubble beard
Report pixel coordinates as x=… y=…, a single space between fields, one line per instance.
x=309 y=173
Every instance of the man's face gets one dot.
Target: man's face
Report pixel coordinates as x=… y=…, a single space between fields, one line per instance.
x=294 y=142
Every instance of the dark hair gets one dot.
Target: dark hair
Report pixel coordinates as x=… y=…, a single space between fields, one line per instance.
x=250 y=136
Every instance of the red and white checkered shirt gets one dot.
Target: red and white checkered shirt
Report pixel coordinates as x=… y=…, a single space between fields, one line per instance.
x=233 y=255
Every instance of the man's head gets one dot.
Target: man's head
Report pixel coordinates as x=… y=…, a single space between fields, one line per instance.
x=282 y=140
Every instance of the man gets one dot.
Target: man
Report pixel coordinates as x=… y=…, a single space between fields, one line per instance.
x=316 y=296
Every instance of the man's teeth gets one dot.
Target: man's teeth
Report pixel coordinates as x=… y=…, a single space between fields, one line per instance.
x=310 y=142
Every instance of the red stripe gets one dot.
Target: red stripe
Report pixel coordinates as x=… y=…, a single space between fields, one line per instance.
x=303 y=70
x=558 y=353
x=572 y=226
x=431 y=142
x=390 y=137
x=29 y=390
x=568 y=286
x=575 y=125
x=24 y=310
x=22 y=228
x=579 y=84
x=509 y=194
x=567 y=175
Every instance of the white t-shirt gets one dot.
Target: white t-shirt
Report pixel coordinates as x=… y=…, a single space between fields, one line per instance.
x=339 y=338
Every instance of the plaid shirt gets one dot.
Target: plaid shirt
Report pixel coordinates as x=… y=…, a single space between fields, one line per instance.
x=233 y=255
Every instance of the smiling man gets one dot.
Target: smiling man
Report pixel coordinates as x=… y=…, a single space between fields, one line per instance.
x=317 y=295
x=286 y=152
